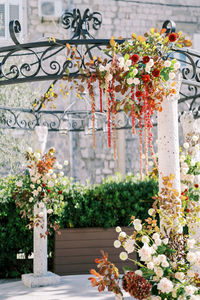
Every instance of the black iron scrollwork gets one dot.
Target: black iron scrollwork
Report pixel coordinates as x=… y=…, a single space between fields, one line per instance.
x=170 y=26
x=14 y=27
x=81 y=25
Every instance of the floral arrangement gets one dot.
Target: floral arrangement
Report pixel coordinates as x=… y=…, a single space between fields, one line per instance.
x=167 y=255
x=39 y=187
x=134 y=77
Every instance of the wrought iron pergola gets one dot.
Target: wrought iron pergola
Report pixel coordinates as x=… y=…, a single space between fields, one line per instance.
x=48 y=61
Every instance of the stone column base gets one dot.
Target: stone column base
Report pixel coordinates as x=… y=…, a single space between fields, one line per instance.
x=30 y=280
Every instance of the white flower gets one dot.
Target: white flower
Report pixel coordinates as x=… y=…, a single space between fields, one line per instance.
x=54 y=176
x=50 y=184
x=33 y=180
x=145 y=239
x=150 y=63
x=136 y=81
x=135 y=71
x=165 y=264
x=49 y=211
x=151 y=211
x=150 y=265
x=41 y=205
x=129 y=245
x=61 y=174
x=59 y=167
x=101 y=68
x=109 y=77
x=191 y=243
x=50 y=171
x=138 y=227
x=182 y=158
x=167 y=63
x=190 y=273
x=177 y=65
x=155 y=298
x=192 y=163
x=39 y=188
x=195 y=297
x=29 y=150
x=186 y=145
x=123 y=256
x=19 y=183
x=190 y=290
x=122 y=234
x=35 y=193
x=154 y=246
x=158 y=242
x=137 y=221
x=128 y=63
x=172 y=75
x=38 y=181
x=179 y=275
x=191 y=257
x=66 y=163
x=118 y=229
x=147 y=69
x=130 y=80
x=184 y=170
x=126 y=69
x=64 y=182
x=117 y=244
x=195 y=138
x=139 y=273
x=31 y=199
x=41 y=214
x=159 y=272
x=165 y=241
x=165 y=285
x=156 y=236
x=145 y=253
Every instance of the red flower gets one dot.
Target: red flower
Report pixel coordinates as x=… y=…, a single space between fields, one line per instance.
x=146 y=77
x=134 y=58
x=42 y=194
x=138 y=94
x=172 y=37
x=146 y=59
x=187 y=210
x=44 y=184
x=59 y=192
x=196 y=185
x=156 y=73
x=48 y=191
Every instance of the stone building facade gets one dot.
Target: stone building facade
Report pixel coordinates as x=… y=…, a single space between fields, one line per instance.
x=120 y=18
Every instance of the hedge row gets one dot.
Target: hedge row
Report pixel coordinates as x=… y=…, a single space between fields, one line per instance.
x=106 y=205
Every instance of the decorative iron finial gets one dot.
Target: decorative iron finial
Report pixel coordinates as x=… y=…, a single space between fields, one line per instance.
x=170 y=26
x=81 y=25
x=14 y=27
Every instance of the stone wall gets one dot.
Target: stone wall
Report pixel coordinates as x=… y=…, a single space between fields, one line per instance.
x=120 y=18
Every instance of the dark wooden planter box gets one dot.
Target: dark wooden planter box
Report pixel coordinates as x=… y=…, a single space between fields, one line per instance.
x=77 y=248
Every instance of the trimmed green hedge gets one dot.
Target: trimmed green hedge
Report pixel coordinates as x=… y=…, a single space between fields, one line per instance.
x=106 y=205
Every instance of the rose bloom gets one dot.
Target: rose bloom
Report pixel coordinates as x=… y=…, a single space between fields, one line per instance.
x=138 y=94
x=145 y=253
x=191 y=257
x=150 y=265
x=145 y=59
x=172 y=37
x=165 y=241
x=190 y=290
x=158 y=242
x=167 y=63
x=146 y=78
x=179 y=275
x=165 y=285
x=136 y=81
x=134 y=58
x=156 y=73
x=156 y=236
x=159 y=272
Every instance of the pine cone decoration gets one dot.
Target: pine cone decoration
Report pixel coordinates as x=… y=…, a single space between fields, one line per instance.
x=137 y=286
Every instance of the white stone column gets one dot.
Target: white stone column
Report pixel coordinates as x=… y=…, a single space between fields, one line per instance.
x=40 y=277
x=168 y=145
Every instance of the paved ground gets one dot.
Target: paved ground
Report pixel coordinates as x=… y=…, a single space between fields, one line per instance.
x=71 y=288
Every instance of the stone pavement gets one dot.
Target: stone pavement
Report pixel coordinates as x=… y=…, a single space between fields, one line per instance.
x=73 y=287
